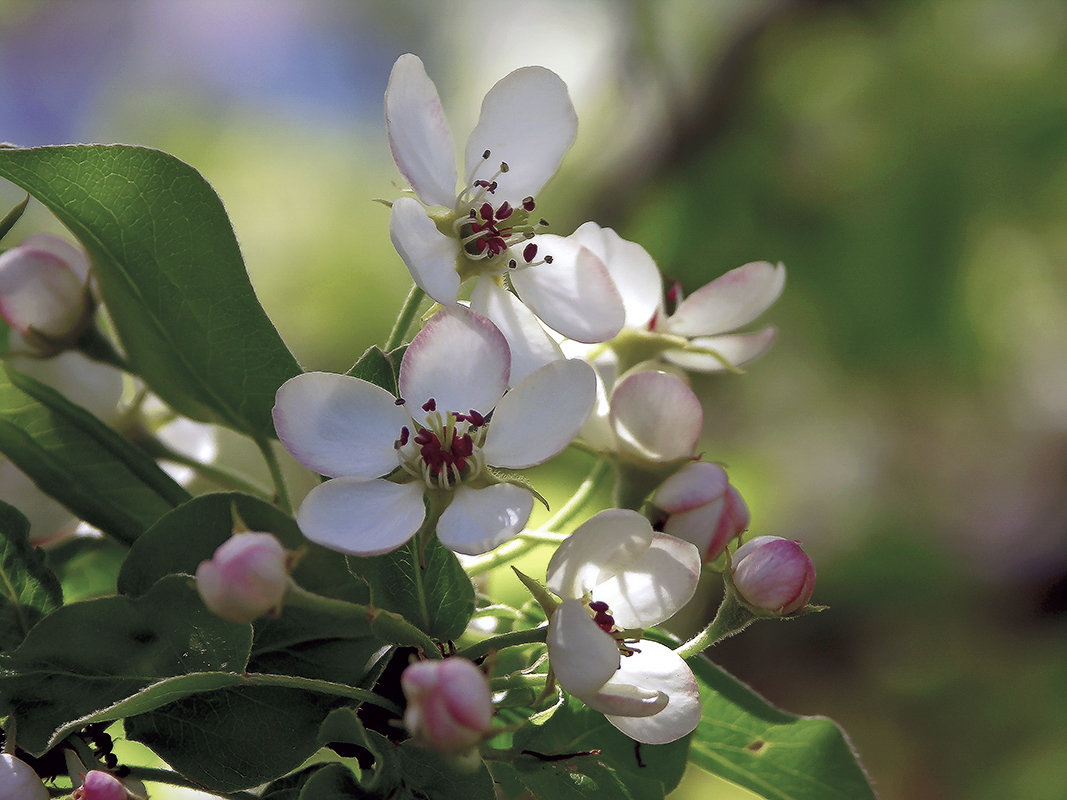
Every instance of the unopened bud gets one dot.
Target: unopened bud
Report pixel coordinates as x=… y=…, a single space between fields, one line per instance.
x=44 y=293
x=18 y=781
x=448 y=704
x=99 y=785
x=702 y=507
x=246 y=578
x=773 y=575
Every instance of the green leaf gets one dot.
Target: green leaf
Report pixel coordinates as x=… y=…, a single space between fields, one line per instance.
x=428 y=775
x=779 y=756
x=379 y=368
x=332 y=782
x=28 y=589
x=435 y=594
x=80 y=461
x=577 y=753
x=171 y=274
x=86 y=566
x=12 y=216
x=85 y=659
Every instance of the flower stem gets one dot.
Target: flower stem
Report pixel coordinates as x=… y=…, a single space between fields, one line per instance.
x=499 y=642
x=284 y=503
x=731 y=618
x=405 y=318
x=321 y=687
x=547 y=532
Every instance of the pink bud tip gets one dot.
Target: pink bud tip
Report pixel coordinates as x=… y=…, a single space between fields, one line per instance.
x=448 y=704
x=246 y=578
x=774 y=575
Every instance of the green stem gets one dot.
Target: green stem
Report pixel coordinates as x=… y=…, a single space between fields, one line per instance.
x=386 y=625
x=512 y=639
x=153 y=775
x=528 y=541
x=731 y=618
x=321 y=687
x=518 y=681
x=284 y=503
x=98 y=347
x=405 y=318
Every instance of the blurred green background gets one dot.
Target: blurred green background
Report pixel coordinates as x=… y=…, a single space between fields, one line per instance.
x=907 y=161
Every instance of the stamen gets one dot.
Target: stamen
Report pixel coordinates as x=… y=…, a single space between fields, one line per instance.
x=430 y=405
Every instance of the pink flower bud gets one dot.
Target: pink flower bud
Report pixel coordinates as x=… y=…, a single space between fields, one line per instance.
x=100 y=785
x=44 y=293
x=702 y=507
x=18 y=781
x=448 y=704
x=246 y=578
x=773 y=574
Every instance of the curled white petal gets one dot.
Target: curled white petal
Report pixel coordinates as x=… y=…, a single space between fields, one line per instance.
x=582 y=656
x=418 y=133
x=729 y=301
x=603 y=546
x=459 y=359
x=478 y=520
x=539 y=417
x=735 y=348
x=696 y=484
x=430 y=255
x=530 y=344
x=654 y=586
x=339 y=425
x=363 y=518
x=656 y=416
x=657 y=667
x=633 y=270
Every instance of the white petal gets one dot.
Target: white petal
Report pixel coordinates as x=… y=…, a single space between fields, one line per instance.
x=339 y=425
x=540 y=416
x=658 y=667
x=527 y=121
x=696 y=484
x=737 y=349
x=729 y=301
x=418 y=133
x=656 y=416
x=430 y=255
x=459 y=359
x=597 y=432
x=530 y=344
x=574 y=294
x=617 y=698
x=364 y=518
x=635 y=274
x=478 y=520
x=601 y=547
x=40 y=290
x=582 y=655
x=654 y=586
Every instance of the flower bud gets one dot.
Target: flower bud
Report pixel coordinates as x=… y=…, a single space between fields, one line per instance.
x=448 y=704
x=18 y=781
x=246 y=578
x=702 y=507
x=773 y=575
x=99 y=785
x=44 y=293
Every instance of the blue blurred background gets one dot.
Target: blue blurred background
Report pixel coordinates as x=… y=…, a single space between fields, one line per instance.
x=908 y=163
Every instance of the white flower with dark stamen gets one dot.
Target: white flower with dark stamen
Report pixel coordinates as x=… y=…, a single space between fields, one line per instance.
x=616 y=576
x=389 y=458
x=527 y=124
x=697 y=331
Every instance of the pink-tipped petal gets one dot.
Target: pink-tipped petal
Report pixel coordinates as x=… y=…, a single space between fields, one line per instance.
x=696 y=484
x=635 y=274
x=459 y=359
x=656 y=416
x=479 y=520
x=531 y=346
x=736 y=349
x=655 y=586
x=729 y=301
x=38 y=290
x=430 y=255
x=418 y=133
x=363 y=518
x=528 y=121
x=338 y=425
x=603 y=546
x=582 y=655
x=74 y=257
x=573 y=295
x=540 y=416
x=658 y=667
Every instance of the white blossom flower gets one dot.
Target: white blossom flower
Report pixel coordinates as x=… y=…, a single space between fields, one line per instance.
x=388 y=458
x=527 y=124
x=698 y=334
x=615 y=576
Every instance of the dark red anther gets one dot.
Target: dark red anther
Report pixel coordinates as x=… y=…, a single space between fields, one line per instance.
x=529 y=253
x=504 y=211
x=430 y=405
x=602 y=618
x=475 y=419
x=486 y=212
x=543 y=223
x=528 y=203
x=403 y=440
x=512 y=264
x=548 y=259
x=399 y=401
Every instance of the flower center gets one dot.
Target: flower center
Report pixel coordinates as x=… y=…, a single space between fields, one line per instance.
x=488 y=229
x=445 y=448
x=601 y=615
